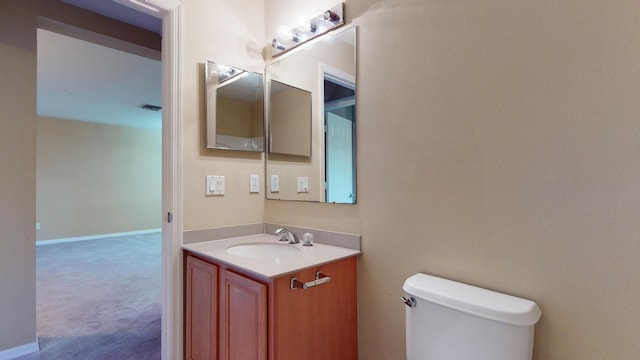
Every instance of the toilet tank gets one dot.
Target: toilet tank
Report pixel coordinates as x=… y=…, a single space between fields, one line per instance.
x=448 y=320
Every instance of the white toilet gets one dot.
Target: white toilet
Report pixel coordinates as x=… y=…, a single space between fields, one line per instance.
x=448 y=320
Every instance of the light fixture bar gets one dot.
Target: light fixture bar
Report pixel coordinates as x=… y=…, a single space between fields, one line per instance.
x=222 y=74
x=319 y=25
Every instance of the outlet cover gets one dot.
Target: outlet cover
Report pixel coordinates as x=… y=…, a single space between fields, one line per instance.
x=254 y=183
x=303 y=184
x=275 y=183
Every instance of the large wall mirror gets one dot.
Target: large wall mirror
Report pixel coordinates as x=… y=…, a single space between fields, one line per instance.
x=234 y=108
x=311 y=108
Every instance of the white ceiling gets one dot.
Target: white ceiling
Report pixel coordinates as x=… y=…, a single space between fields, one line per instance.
x=80 y=80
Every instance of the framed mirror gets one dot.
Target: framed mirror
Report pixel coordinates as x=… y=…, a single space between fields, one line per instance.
x=234 y=108
x=326 y=70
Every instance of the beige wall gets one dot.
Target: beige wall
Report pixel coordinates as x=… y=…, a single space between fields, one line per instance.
x=498 y=144
x=96 y=179
x=225 y=32
x=18 y=151
x=17 y=176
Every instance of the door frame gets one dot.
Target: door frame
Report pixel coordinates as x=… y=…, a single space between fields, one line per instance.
x=345 y=79
x=172 y=317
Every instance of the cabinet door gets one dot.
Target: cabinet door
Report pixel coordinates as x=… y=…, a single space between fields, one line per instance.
x=243 y=318
x=201 y=303
x=318 y=323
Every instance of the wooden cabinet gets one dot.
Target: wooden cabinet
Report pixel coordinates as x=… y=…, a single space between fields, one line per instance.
x=244 y=316
x=201 y=309
x=318 y=323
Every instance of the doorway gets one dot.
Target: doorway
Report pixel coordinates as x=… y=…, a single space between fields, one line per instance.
x=339 y=125
x=102 y=178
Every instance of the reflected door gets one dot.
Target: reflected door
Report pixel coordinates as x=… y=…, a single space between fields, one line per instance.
x=339 y=156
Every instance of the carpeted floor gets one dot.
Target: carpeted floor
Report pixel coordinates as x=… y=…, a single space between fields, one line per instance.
x=100 y=299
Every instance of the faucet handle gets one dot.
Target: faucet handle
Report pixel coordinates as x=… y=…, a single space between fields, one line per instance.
x=307 y=239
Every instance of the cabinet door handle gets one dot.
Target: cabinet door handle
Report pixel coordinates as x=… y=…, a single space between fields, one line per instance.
x=320 y=279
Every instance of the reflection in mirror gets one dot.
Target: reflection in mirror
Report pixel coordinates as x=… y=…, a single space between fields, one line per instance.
x=290 y=120
x=234 y=108
x=326 y=69
x=340 y=142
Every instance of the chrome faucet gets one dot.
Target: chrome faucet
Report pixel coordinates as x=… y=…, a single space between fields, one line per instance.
x=287 y=235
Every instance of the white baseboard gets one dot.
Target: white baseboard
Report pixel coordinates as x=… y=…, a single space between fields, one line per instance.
x=95 y=237
x=19 y=351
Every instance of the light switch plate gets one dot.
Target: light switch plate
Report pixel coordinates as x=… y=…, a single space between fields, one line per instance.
x=219 y=186
x=209 y=185
x=254 y=183
x=214 y=185
x=275 y=183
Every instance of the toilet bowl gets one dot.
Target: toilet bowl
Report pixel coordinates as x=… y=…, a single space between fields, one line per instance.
x=448 y=320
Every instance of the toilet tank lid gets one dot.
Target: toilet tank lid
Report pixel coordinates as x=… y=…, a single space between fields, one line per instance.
x=473 y=300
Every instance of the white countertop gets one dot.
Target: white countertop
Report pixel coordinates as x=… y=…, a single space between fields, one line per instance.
x=271 y=267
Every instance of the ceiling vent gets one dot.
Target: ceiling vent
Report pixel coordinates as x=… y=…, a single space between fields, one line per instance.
x=151 y=107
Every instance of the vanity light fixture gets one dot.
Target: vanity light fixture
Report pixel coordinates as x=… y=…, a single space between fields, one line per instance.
x=232 y=78
x=225 y=72
x=222 y=73
x=278 y=45
x=319 y=25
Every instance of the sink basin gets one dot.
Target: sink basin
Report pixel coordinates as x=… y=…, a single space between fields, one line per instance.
x=263 y=250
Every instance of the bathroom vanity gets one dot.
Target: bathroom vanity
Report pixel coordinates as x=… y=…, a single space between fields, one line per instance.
x=255 y=298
